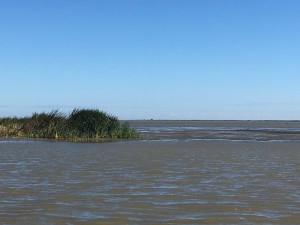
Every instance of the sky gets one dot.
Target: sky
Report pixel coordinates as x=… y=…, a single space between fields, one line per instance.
x=152 y=59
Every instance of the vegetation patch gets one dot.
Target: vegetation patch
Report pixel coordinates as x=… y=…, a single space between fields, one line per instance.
x=79 y=125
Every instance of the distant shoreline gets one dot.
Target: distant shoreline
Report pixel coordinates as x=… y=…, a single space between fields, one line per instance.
x=217 y=123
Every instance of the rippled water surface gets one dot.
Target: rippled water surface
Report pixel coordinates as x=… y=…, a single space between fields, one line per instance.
x=150 y=182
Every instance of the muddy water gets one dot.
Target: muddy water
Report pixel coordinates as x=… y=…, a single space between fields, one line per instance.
x=150 y=182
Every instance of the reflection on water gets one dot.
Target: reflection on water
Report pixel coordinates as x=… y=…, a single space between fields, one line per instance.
x=183 y=182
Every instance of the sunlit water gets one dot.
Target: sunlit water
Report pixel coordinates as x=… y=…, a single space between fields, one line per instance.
x=150 y=182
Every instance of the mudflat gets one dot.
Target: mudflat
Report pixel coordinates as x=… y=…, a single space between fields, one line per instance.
x=218 y=130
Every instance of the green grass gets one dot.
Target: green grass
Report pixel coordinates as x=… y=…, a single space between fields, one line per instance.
x=79 y=125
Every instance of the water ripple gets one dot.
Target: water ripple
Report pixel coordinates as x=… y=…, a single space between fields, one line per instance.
x=150 y=183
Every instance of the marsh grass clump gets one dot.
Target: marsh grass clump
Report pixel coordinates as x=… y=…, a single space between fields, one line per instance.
x=95 y=124
x=92 y=123
x=80 y=125
x=45 y=125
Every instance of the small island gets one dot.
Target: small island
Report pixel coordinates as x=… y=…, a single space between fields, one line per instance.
x=80 y=125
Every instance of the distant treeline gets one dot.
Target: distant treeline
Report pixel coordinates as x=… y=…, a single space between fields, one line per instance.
x=79 y=125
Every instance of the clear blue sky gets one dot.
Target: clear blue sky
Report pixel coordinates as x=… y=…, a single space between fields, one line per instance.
x=160 y=59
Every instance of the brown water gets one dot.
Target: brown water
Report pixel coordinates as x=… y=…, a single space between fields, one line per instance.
x=150 y=182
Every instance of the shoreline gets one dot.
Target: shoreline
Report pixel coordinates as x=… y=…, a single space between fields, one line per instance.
x=217 y=123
